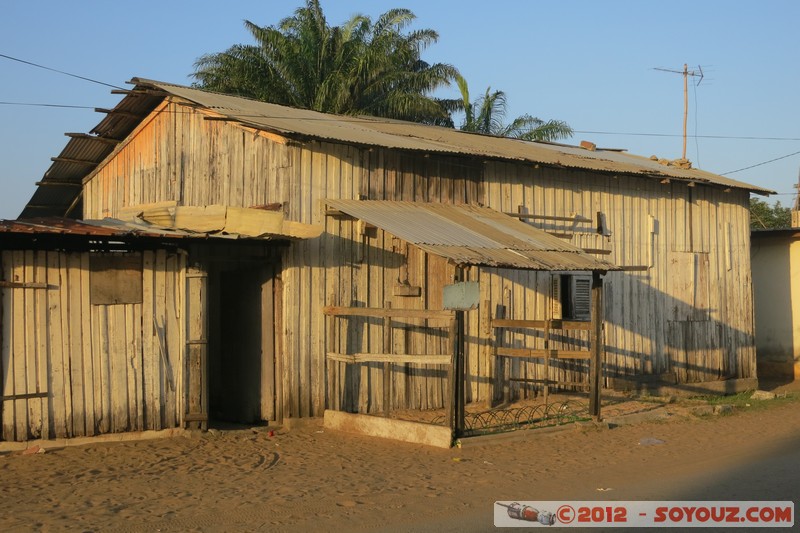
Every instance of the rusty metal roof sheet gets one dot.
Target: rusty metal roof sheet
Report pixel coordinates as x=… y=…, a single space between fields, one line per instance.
x=109 y=227
x=59 y=190
x=472 y=235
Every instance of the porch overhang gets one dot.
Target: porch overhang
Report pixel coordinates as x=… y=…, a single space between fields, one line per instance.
x=472 y=235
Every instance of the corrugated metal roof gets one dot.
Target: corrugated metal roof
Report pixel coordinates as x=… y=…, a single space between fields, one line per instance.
x=410 y=136
x=472 y=235
x=62 y=180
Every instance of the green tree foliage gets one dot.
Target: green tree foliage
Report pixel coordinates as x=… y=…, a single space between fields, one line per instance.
x=361 y=67
x=765 y=216
x=488 y=112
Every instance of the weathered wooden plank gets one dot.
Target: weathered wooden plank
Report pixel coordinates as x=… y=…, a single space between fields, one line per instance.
x=419 y=359
x=540 y=353
x=379 y=312
x=180 y=370
x=197 y=340
x=42 y=342
x=160 y=305
x=149 y=347
x=34 y=414
x=58 y=397
x=66 y=343
x=118 y=368
x=6 y=350
x=172 y=339
x=86 y=348
x=22 y=285
x=279 y=343
x=267 y=350
x=19 y=346
x=75 y=346
x=320 y=174
x=541 y=324
x=133 y=364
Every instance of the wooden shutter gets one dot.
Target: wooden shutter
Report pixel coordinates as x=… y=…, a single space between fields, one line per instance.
x=581 y=297
x=555 y=297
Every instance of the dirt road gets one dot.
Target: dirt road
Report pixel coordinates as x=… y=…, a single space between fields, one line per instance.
x=312 y=479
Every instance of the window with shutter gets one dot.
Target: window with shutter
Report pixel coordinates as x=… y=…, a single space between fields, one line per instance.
x=570 y=297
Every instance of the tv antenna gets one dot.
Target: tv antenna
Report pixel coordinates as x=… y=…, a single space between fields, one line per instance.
x=686 y=73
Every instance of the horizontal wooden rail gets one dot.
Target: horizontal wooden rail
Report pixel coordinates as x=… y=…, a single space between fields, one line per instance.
x=421 y=359
x=574 y=218
x=541 y=324
x=527 y=353
x=550 y=382
x=26 y=396
x=24 y=285
x=380 y=312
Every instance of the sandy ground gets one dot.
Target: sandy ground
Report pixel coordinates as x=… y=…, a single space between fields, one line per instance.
x=314 y=479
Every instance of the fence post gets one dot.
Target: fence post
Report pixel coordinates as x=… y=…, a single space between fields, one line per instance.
x=596 y=364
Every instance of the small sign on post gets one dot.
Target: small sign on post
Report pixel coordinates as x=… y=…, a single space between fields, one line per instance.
x=462 y=296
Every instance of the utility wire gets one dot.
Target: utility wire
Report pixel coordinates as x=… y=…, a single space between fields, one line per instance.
x=359 y=119
x=60 y=71
x=35 y=104
x=635 y=134
x=759 y=164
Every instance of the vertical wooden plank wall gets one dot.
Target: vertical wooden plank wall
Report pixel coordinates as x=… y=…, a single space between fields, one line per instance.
x=88 y=369
x=650 y=326
x=690 y=313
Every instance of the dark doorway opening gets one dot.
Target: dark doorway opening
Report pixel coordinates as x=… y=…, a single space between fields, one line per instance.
x=241 y=345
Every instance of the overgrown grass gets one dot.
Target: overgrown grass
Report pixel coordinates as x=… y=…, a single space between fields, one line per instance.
x=742 y=400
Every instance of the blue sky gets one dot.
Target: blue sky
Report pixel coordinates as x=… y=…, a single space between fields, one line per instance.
x=588 y=63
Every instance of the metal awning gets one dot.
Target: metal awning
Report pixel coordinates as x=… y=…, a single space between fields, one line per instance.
x=472 y=235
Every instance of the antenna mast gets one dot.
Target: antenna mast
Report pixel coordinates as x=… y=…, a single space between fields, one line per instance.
x=686 y=73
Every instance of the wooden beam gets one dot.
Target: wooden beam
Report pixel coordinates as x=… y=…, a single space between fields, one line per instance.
x=87 y=137
x=139 y=92
x=576 y=218
x=551 y=382
x=118 y=112
x=58 y=183
x=530 y=353
x=596 y=347
x=387 y=365
x=541 y=324
x=597 y=251
x=430 y=314
x=399 y=358
x=76 y=161
x=23 y=285
x=25 y=396
x=635 y=268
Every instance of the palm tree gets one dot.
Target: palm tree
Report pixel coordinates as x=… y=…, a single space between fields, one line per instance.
x=361 y=67
x=487 y=115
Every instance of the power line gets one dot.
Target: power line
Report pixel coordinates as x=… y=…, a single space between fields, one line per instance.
x=36 y=104
x=60 y=71
x=359 y=119
x=734 y=137
x=759 y=164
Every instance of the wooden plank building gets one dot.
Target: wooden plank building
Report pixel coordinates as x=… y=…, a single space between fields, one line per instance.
x=681 y=306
